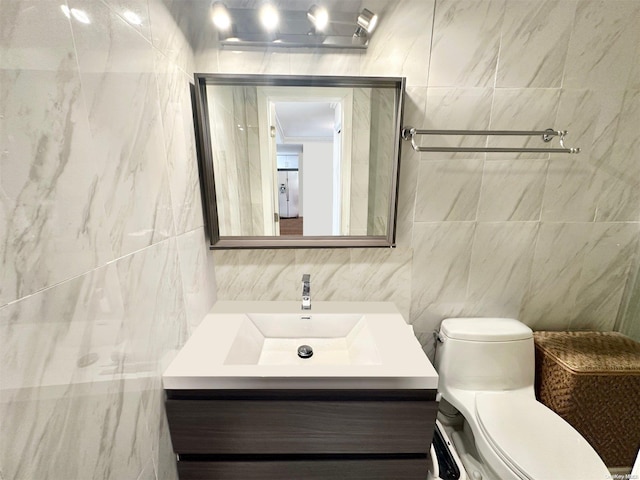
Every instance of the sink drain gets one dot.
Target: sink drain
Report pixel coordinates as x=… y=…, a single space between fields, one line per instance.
x=305 y=351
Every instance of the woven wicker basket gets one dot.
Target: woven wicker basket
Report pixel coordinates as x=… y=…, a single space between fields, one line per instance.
x=592 y=380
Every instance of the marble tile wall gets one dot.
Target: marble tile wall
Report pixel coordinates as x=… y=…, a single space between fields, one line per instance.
x=104 y=270
x=550 y=239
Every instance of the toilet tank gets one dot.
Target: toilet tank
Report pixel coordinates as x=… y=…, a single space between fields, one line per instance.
x=485 y=354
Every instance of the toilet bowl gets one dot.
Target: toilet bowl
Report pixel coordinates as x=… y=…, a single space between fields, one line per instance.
x=486 y=371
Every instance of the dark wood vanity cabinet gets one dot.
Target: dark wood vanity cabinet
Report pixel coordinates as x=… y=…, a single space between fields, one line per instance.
x=311 y=435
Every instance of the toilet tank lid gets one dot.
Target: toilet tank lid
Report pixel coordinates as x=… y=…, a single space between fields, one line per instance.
x=485 y=329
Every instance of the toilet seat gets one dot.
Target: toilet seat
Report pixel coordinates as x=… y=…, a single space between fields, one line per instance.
x=533 y=441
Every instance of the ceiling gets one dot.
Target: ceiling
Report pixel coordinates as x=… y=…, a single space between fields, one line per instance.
x=306 y=119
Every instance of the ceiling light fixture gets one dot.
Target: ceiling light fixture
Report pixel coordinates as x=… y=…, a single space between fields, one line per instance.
x=367 y=21
x=319 y=17
x=220 y=16
x=269 y=17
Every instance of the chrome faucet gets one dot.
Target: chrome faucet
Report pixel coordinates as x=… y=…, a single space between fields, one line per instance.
x=306 y=292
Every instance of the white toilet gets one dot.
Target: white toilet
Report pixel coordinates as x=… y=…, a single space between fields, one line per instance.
x=486 y=368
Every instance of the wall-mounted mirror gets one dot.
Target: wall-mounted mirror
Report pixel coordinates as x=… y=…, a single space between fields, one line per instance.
x=294 y=161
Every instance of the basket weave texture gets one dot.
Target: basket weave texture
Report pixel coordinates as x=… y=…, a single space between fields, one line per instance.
x=592 y=380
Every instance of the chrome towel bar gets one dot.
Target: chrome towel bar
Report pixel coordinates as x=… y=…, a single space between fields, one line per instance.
x=409 y=133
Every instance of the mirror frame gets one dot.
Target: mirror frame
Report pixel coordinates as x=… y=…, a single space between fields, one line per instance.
x=207 y=178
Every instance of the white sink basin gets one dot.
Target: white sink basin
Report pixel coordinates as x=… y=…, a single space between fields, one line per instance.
x=245 y=345
x=274 y=339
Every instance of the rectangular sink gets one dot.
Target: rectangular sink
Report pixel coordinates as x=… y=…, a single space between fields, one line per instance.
x=254 y=345
x=274 y=339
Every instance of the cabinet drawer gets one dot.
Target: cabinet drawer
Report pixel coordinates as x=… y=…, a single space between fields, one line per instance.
x=300 y=427
x=406 y=469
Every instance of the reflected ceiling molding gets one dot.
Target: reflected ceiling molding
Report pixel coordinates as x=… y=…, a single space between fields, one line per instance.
x=311 y=28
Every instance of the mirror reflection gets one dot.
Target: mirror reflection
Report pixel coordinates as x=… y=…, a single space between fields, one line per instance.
x=303 y=161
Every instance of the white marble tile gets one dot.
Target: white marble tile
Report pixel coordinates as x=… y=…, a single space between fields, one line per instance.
x=466 y=40
x=456 y=109
x=441 y=259
x=512 y=190
x=607 y=262
x=135 y=13
x=605 y=36
x=101 y=422
x=325 y=62
x=400 y=44
x=448 y=190
x=382 y=275
x=65 y=386
x=51 y=226
x=620 y=172
x=557 y=265
x=64 y=334
x=572 y=186
x=426 y=319
x=257 y=275
x=523 y=109
x=409 y=167
x=535 y=39
x=169 y=19
x=179 y=141
x=274 y=61
x=120 y=87
x=198 y=275
x=331 y=275
x=154 y=307
x=500 y=267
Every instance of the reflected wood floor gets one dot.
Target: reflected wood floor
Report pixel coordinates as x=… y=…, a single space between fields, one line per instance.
x=291 y=226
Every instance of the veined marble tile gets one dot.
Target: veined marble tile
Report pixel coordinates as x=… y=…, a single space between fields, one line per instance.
x=156 y=327
x=65 y=386
x=557 y=265
x=274 y=62
x=523 y=109
x=456 y=109
x=102 y=422
x=401 y=41
x=415 y=106
x=441 y=258
x=179 y=140
x=409 y=167
x=154 y=309
x=535 y=39
x=257 y=275
x=605 y=36
x=427 y=319
x=198 y=275
x=331 y=276
x=466 y=40
x=64 y=334
x=620 y=172
x=168 y=19
x=607 y=261
x=135 y=13
x=120 y=87
x=572 y=186
x=512 y=190
x=325 y=62
x=51 y=225
x=448 y=190
x=383 y=275
x=501 y=267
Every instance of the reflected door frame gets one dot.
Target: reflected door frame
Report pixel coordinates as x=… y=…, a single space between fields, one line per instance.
x=267 y=97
